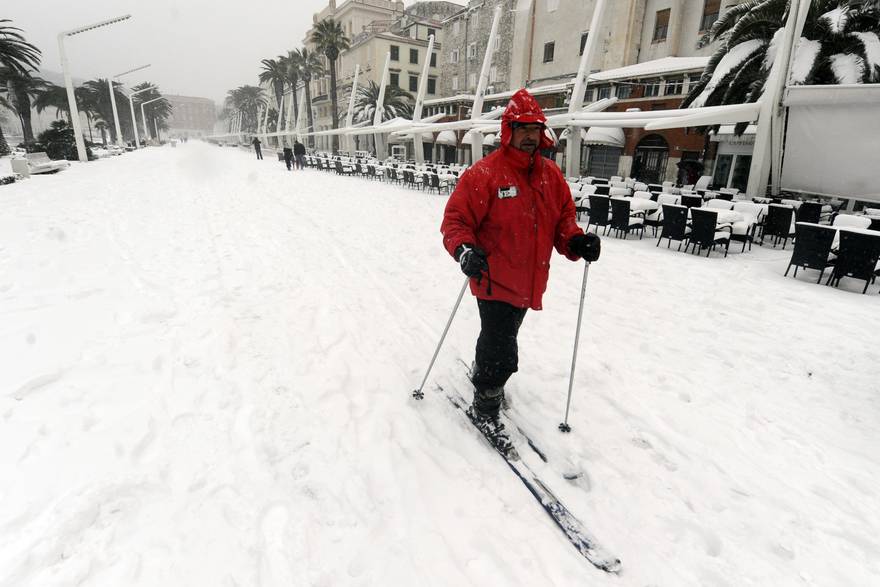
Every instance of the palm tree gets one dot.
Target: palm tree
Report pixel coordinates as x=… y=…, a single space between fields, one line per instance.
x=309 y=66
x=834 y=49
x=19 y=57
x=20 y=90
x=53 y=96
x=292 y=77
x=397 y=102
x=275 y=73
x=248 y=100
x=330 y=39
x=97 y=98
x=160 y=109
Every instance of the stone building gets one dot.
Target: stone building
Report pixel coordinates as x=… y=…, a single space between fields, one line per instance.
x=190 y=116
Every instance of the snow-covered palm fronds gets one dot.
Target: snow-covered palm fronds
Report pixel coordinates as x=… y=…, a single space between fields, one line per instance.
x=840 y=44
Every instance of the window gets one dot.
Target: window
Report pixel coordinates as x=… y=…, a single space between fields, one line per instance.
x=583 y=43
x=433 y=60
x=674 y=87
x=497 y=43
x=453 y=58
x=472 y=50
x=413 y=83
x=472 y=80
x=456 y=27
x=475 y=20
x=711 y=8
x=723 y=165
x=493 y=74
x=395 y=53
x=549 y=48
x=604 y=161
x=624 y=91
x=455 y=82
x=395 y=80
x=431 y=33
x=604 y=92
x=661 y=26
x=414 y=56
x=588 y=95
x=432 y=85
x=652 y=88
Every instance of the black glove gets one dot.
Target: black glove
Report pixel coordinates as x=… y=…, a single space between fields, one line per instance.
x=587 y=246
x=472 y=260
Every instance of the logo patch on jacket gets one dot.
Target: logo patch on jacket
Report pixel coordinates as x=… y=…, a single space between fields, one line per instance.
x=507 y=192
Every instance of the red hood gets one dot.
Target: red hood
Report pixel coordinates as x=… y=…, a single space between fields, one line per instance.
x=523 y=108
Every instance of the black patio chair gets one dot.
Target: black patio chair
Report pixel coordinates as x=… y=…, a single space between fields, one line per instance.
x=691 y=201
x=603 y=189
x=812 y=246
x=599 y=211
x=705 y=233
x=777 y=224
x=725 y=196
x=581 y=206
x=623 y=220
x=673 y=224
x=857 y=258
x=809 y=212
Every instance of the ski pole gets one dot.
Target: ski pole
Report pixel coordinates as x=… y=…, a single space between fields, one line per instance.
x=418 y=393
x=564 y=427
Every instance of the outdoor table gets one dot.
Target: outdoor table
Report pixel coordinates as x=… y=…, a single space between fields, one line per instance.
x=724 y=216
x=640 y=204
x=655 y=187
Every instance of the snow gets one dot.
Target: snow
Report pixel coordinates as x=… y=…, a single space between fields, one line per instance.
x=772 y=48
x=804 y=59
x=665 y=65
x=837 y=18
x=207 y=377
x=847 y=68
x=737 y=54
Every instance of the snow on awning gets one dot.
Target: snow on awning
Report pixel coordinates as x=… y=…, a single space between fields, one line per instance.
x=565 y=134
x=489 y=139
x=447 y=137
x=605 y=136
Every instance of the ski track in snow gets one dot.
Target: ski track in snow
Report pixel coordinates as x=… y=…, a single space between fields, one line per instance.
x=211 y=361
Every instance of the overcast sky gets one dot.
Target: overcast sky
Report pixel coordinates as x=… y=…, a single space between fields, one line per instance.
x=196 y=47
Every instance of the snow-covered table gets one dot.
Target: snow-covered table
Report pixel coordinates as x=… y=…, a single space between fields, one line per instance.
x=640 y=204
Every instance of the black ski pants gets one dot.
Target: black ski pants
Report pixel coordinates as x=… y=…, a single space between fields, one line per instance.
x=497 y=352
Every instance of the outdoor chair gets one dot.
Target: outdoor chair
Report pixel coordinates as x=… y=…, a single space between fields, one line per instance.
x=812 y=246
x=703 y=183
x=587 y=189
x=581 y=206
x=599 y=211
x=640 y=186
x=643 y=194
x=725 y=196
x=705 y=233
x=623 y=220
x=343 y=169
x=603 y=189
x=744 y=230
x=691 y=201
x=852 y=220
x=778 y=224
x=437 y=183
x=673 y=224
x=654 y=219
x=619 y=192
x=857 y=258
x=36 y=163
x=372 y=172
x=809 y=212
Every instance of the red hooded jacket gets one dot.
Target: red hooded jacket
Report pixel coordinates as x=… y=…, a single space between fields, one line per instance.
x=516 y=207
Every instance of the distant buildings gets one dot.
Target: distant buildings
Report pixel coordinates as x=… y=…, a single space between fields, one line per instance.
x=190 y=116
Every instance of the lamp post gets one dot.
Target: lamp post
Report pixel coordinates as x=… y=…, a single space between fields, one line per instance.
x=68 y=81
x=113 y=100
x=144 y=116
x=134 y=125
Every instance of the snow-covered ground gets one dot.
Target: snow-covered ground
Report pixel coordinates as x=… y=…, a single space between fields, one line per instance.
x=206 y=377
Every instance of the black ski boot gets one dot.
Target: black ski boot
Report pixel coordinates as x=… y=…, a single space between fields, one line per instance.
x=484 y=413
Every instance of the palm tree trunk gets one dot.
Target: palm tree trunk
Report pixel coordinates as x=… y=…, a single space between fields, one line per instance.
x=279 y=92
x=334 y=106
x=4 y=148
x=24 y=114
x=295 y=100
x=308 y=107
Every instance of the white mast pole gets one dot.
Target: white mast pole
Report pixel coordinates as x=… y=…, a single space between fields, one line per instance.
x=477 y=109
x=380 y=107
x=349 y=119
x=420 y=98
x=573 y=145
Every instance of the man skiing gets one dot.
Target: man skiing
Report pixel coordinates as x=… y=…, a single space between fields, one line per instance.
x=501 y=223
x=256 y=143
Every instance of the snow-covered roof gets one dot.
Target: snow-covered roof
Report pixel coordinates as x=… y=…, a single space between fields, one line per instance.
x=663 y=66
x=609 y=137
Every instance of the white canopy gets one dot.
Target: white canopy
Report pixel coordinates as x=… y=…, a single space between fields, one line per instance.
x=564 y=135
x=447 y=137
x=489 y=139
x=605 y=136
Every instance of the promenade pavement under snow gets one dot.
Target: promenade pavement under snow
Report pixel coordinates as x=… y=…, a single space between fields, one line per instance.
x=206 y=374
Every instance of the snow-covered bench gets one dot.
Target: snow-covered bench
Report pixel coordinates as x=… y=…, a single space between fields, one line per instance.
x=37 y=163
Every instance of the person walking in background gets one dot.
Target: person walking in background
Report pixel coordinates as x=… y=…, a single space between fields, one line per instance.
x=299 y=151
x=507 y=213
x=256 y=143
x=288 y=157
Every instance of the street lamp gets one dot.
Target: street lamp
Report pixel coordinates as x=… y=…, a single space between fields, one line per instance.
x=144 y=116
x=113 y=100
x=134 y=126
x=68 y=82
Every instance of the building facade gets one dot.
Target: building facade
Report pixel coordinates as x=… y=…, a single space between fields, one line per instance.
x=191 y=117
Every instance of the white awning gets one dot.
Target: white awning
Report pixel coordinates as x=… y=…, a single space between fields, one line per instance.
x=447 y=137
x=468 y=137
x=489 y=139
x=564 y=134
x=605 y=136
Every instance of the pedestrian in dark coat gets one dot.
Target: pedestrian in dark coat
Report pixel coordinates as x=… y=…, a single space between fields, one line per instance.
x=256 y=143
x=501 y=224
x=299 y=151
x=288 y=157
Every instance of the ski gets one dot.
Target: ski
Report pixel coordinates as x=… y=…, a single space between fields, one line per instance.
x=573 y=529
